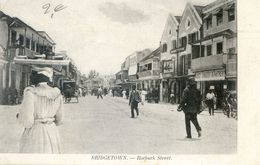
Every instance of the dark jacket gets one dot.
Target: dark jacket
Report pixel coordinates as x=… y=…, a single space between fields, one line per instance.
x=191 y=100
x=134 y=97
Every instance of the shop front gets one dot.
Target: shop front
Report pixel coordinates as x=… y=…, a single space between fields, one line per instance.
x=212 y=80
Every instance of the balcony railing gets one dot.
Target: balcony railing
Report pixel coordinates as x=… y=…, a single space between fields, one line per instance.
x=22 y=51
x=209 y=62
x=148 y=74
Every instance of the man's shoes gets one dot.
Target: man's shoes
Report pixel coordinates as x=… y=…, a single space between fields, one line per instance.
x=199 y=133
x=188 y=137
x=132 y=117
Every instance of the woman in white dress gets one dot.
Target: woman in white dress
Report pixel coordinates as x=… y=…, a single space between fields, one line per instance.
x=40 y=112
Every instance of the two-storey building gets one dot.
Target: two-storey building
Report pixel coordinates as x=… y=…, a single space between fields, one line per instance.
x=214 y=57
x=149 y=71
x=168 y=57
x=188 y=33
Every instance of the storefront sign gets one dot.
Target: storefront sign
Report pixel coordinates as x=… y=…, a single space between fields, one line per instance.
x=210 y=75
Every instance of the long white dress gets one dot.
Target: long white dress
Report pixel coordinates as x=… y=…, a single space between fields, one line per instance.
x=40 y=112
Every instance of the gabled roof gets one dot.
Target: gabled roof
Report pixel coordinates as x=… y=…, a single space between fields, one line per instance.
x=172 y=18
x=196 y=10
x=199 y=9
x=178 y=18
x=155 y=53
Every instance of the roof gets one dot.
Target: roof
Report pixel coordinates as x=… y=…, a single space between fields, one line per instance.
x=199 y=9
x=22 y=23
x=155 y=53
x=178 y=18
x=46 y=36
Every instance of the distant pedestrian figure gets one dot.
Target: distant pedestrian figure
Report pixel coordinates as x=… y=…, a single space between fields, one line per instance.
x=143 y=95
x=99 y=93
x=172 y=97
x=210 y=97
x=124 y=94
x=190 y=104
x=134 y=99
x=40 y=112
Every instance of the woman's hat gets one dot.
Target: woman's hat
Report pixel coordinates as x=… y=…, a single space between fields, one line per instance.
x=46 y=71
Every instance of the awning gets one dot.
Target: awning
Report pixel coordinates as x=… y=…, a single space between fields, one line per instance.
x=132 y=70
x=41 y=62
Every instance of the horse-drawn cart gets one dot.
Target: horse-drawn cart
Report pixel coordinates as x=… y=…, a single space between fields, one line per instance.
x=70 y=92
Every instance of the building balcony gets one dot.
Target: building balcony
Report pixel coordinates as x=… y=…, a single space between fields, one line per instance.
x=209 y=62
x=149 y=74
x=22 y=51
x=118 y=81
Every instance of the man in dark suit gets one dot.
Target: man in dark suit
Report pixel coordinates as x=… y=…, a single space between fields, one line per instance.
x=190 y=104
x=134 y=99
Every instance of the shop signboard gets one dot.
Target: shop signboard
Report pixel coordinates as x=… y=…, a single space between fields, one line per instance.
x=210 y=75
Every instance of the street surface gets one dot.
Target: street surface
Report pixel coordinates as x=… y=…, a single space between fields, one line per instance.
x=104 y=126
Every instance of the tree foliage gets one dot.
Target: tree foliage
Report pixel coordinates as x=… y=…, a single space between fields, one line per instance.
x=93 y=74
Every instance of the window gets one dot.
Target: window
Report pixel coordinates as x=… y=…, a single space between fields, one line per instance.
x=164 y=48
x=149 y=66
x=33 y=45
x=170 y=31
x=13 y=38
x=27 y=43
x=209 y=22
x=189 y=61
x=37 y=48
x=209 y=50
x=219 y=48
x=192 y=38
x=174 y=46
x=219 y=17
x=21 y=40
x=183 y=41
x=232 y=53
x=231 y=13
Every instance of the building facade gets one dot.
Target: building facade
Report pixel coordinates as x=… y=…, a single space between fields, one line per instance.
x=214 y=57
x=169 y=58
x=149 y=72
x=188 y=32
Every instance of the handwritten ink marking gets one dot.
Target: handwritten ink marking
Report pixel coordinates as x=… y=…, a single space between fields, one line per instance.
x=47 y=8
x=59 y=7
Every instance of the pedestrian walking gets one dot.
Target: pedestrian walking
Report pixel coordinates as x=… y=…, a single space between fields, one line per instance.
x=134 y=99
x=124 y=94
x=210 y=97
x=99 y=93
x=190 y=104
x=40 y=113
x=143 y=95
x=172 y=97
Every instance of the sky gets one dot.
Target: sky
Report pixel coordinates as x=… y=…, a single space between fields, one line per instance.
x=98 y=34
